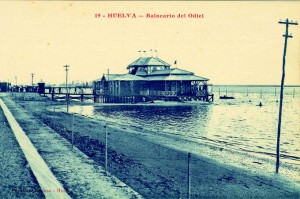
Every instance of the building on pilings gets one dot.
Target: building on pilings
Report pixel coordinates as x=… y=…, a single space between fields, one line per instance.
x=149 y=79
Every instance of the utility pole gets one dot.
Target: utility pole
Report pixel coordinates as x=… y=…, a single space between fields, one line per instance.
x=32 y=75
x=67 y=94
x=286 y=36
x=108 y=86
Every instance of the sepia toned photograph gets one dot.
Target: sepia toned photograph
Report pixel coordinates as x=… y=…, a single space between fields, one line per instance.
x=149 y=99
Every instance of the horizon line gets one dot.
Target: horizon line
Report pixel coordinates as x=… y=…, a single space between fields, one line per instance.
x=258 y=85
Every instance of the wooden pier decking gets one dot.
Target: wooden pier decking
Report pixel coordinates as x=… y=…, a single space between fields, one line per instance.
x=68 y=93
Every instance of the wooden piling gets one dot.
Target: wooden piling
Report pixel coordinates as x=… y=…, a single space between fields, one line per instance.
x=72 y=131
x=294 y=93
x=105 y=127
x=189 y=177
x=53 y=123
x=52 y=95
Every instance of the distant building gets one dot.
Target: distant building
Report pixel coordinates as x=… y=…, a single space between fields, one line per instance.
x=4 y=86
x=149 y=79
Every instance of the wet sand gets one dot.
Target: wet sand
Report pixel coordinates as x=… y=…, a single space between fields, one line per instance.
x=155 y=169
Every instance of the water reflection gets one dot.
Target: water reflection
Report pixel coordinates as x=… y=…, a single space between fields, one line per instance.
x=170 y=119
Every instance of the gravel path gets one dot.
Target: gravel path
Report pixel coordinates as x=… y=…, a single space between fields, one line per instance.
x=16 y=177
x=81 y=176
x=50 y=185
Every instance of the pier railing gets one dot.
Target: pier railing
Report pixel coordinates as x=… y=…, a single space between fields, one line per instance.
x=172 y=93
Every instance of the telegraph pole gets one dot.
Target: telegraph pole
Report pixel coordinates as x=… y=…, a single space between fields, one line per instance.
x=32 y=75
x=67 y=95
x=286 y=36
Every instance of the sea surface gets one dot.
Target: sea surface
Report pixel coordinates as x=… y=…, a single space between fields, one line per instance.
x=236 y=123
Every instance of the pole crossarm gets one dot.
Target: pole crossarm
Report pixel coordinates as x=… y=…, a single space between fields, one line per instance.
x=67 y=67
x=289 y=36
x=288 y=23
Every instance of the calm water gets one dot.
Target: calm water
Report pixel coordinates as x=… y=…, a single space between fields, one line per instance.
x=237 y=123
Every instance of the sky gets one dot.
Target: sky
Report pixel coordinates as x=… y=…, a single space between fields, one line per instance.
x=232 y=43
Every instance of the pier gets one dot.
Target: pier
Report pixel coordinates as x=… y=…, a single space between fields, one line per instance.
x=72 y=92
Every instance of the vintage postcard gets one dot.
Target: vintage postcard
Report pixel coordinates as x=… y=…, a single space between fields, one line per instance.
x=149 y=99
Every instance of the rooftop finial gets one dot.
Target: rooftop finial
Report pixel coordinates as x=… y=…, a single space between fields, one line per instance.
x=140 y=53
x=145 y=53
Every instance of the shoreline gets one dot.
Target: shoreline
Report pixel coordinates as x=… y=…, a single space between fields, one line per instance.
x=285 y=157
x=137 y=168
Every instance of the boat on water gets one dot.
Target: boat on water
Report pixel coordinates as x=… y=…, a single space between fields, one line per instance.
x=226 y=97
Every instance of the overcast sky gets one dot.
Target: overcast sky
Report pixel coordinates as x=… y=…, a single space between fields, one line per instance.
x=235 y=42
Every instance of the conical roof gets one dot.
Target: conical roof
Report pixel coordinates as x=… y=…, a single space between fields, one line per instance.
x=148 y=61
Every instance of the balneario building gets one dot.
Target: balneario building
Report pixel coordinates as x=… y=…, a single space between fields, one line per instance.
x=150 y=79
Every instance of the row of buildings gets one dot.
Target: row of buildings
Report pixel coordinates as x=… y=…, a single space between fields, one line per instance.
x=7 y=87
